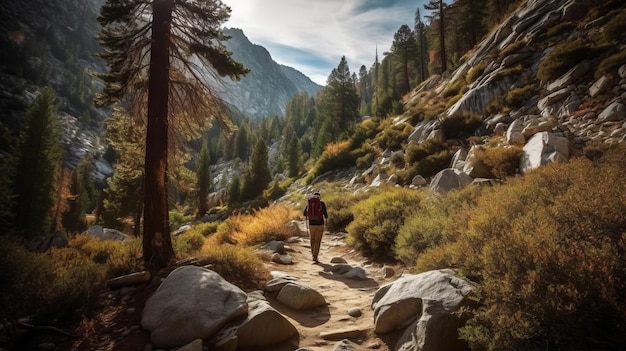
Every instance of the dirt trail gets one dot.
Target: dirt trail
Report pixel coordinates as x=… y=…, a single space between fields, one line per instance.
x=341 y=294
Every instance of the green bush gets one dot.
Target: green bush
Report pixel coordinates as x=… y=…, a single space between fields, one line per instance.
x=188 y=243
x=340 y=219
x=394 y=136
x=519 y=96
x=502 y=161
x=61 y=284
x=456 y=88
x=335 y=156
x=611 y=64
x=436 y=221
x=512 y=48
x=378 y=218
x=565 y=56
x=461 y=125
x=615 y=30
x=549 y=252
x=561 y=28
x=475 y=72
x=426 y=159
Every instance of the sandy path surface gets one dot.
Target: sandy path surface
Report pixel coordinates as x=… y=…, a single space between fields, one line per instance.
x=321 y=328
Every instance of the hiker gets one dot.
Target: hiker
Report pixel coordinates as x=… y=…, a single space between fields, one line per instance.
x=315 y=212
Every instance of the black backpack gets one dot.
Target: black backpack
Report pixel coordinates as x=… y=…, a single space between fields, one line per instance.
x=314 y=208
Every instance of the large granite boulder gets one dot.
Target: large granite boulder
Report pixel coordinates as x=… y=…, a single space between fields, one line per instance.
x=449 y=179
x=264 y=326
x=426 y=304
x=300 y=297
x=191 y=303
x=544 y=148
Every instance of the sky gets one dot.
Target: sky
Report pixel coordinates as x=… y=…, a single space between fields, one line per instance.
x=312 y=35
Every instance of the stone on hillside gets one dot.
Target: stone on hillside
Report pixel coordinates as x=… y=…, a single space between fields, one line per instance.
x=474 y=167
x=380 y=179
x=356 y=273
x=570 y=77
x=422 y=130
x=387 y=272
x=264 y=326
x=553 y=98
x=300 y=297
x=538 y=126
x=600 y=85
x=437 y=136
x=183 y=308
x=614 y=112
x=458 y=160
x=418 y=180
x=106 y=234
x=544 y=148
x=514 y=134
x=427 y=302
x=393 y=179
x=622 y=71
x=449 y=179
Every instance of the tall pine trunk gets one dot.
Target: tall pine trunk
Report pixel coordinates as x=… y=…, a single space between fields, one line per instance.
x=442 y=36
x=157 y=244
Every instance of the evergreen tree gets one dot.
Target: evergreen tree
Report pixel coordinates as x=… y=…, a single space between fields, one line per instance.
x=153 y=49
x=404 y=50
x=242 y=148
x=422 y=46
x=340 y=101
x=124 y=193
x=294 y=157
x=204 y=179
x=258 y=175
x=39 y=157
x=438 y=16
x=234 y=192
x=83 y=198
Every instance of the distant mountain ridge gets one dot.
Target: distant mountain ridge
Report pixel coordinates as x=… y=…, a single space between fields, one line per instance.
x=268 y=87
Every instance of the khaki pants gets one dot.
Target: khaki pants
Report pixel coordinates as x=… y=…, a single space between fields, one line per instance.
x=316 y=232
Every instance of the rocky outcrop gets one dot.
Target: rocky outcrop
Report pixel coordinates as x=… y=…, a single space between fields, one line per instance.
x=544 y=148
x=449 y=179
x=423 y=305
x=184 y=307
x=263 y=326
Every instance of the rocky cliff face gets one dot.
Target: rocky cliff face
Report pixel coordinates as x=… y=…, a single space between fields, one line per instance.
x=268 y=87
x=560 y=59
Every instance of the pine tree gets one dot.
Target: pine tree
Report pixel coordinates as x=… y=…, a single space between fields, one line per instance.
x=258 y=175
x=438 y=15
x=404 y=50
x=293 y=157
x=422 y=46
x=204 y=179
x=124 y=193
x=340 y=101
x=83 y=196
x=153 y=49
x=234 y=192
x=39 y=158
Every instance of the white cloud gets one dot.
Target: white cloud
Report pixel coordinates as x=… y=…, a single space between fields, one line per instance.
x=324 y=29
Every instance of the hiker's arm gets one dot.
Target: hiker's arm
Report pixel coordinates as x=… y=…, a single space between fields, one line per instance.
x=324 y=210
x=304 y=212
